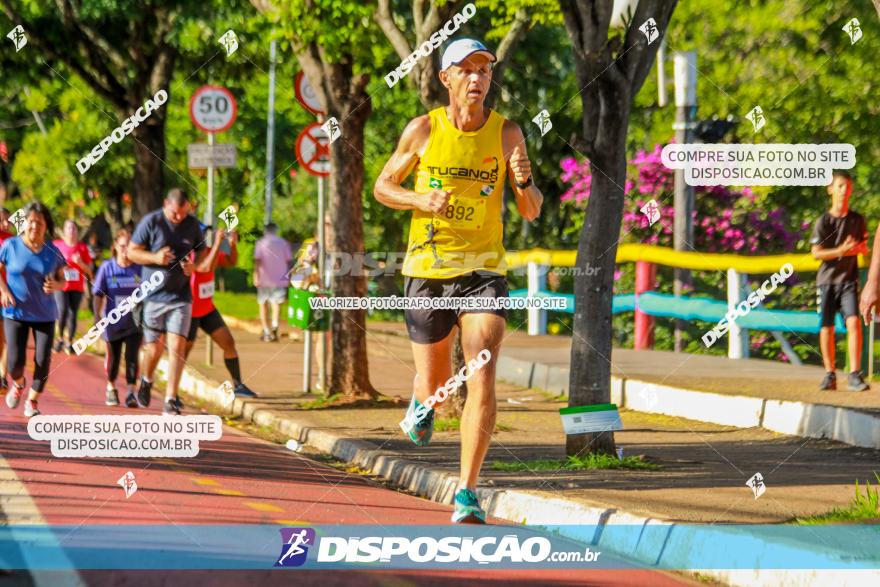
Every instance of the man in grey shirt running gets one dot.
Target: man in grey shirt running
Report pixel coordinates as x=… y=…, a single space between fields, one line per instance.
x=162 y=242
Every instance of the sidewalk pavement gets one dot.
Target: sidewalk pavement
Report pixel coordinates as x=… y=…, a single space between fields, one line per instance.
x=744 y=393
x=704 y=466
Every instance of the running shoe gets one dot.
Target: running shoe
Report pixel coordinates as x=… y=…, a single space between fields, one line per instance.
x=829 y=383
x=242 y=390
x=130 y=400
x=68 y=348
x=112 y=398
x=171 y=408
x=420 y=432
x=273 y=337
x=855 y=382
x=143 y=394
x=265 y=337
x=177 y=402
x=467 y=508
x=30 y=408
x=14 y=396
x=59 y=344
x=4 y=384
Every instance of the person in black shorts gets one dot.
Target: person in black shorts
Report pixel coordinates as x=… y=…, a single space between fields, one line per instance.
x=839 y=236
x=31 y=270
x=117 y=280
x=461 y=156
x=164 y=242
x=206 y=316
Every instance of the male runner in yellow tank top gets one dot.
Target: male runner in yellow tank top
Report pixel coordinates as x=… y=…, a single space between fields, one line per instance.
x=460 y=155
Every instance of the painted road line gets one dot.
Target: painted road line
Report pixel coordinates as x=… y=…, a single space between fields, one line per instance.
x=203 y=481
x=230 y=492
x=263 y=507
x=18 y=509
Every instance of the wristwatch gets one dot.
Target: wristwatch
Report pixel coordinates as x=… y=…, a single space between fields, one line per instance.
x=524 y=185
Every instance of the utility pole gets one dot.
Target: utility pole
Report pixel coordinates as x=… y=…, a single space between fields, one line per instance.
x=683 y=228
x=270 y=137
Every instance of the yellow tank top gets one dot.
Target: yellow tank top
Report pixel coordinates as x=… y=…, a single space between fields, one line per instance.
x=467 y=236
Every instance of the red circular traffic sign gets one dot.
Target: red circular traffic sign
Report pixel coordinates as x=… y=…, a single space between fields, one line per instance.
x=307 y=96
x=212 y=108
x=313 y=150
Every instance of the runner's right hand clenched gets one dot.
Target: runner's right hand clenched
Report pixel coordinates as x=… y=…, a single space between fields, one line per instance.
x=7 y=300
x=434 y=201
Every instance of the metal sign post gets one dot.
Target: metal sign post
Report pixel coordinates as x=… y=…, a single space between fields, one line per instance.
x=683 y=225
x=270 y=136
x=212 y=109
x=322 y=336
x=209 y=215
x=313 y=153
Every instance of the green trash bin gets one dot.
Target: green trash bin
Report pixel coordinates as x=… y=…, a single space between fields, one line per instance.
x=300 y=313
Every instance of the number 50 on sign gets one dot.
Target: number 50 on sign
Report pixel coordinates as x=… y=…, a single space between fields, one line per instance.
x=212 y=108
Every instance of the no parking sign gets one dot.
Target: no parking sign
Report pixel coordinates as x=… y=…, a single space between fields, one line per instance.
x=313 y=151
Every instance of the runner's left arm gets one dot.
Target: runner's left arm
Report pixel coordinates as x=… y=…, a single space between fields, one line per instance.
x=83 y=262
x=871 y=292
x=230 y=259
x=529 y=198
x=99 y=292
x=209 y=261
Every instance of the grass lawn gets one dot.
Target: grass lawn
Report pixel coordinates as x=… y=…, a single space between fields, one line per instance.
x=241 y=305
x=863 y=507
x=591 y=461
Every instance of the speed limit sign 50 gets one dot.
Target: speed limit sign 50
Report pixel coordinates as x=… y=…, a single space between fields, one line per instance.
x=212 y=108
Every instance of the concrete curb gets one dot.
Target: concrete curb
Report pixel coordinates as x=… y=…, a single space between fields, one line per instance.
x=517 y=506
x=847 y=425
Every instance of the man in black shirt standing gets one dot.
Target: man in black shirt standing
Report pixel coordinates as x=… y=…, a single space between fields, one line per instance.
x=839 y=236
x=162 y=242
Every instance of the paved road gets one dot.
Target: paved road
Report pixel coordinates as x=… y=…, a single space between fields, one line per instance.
x=236 y=480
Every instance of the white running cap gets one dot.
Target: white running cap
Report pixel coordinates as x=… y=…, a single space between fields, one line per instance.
x=459 y=50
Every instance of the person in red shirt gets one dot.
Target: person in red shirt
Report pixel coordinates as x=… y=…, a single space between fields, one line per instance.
x=206 y=316
x=79 y=265
x=4 y=234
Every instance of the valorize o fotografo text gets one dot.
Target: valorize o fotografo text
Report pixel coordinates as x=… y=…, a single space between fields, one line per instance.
x=119 y=312
x=123 y=130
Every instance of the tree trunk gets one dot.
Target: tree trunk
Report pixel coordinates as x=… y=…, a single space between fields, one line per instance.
x=590 y=380
x=149 y=153
x=349 y=370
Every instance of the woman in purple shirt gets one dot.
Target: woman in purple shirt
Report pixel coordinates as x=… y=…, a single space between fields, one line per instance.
x=117 y=278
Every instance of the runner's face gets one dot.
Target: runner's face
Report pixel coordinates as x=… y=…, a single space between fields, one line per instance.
x=4 y=221
x=840 y=190
x=36 y=227
x=176 y=212
x=70 y=231
x=122 y=249
x=468 y=82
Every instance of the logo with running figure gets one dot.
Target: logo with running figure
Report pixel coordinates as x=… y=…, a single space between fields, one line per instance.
x=429 y=242
x=295 y=544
